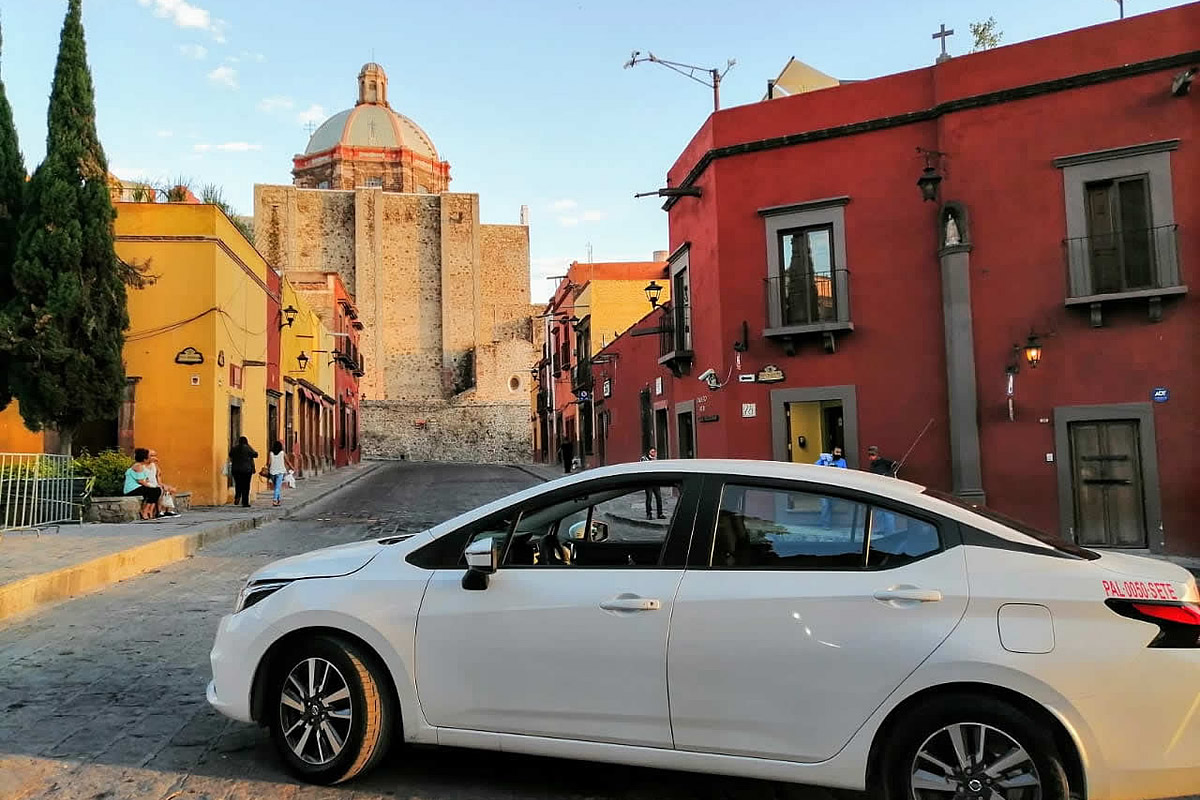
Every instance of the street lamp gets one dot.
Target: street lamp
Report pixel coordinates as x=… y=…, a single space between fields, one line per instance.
x=287 y=317
x=1033 y=351
x=930 y=177
x=302 y=360
x=653 y=292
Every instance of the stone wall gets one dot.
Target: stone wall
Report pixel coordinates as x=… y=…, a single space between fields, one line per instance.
x=446 y=432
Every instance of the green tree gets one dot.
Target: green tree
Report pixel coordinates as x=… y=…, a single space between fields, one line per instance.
x=12 y=190
x=986 y=34
x=67 y=320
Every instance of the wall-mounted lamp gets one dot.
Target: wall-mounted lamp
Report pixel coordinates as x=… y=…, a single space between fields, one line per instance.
x=287 y=317
x=1033 y=350
x=302 y=360
x=653 y=292
x=930 y=177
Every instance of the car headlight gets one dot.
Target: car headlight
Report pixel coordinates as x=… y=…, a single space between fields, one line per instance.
x=255 y=592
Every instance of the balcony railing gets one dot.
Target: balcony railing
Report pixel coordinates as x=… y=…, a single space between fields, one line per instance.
x=808 y=300
x=1137 y=262
x=675 y=338
x=581 y=375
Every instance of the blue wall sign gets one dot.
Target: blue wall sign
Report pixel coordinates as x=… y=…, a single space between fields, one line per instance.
x=1161 y=394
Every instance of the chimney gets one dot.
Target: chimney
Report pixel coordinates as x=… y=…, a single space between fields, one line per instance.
x=524 y=215
x=660 y=255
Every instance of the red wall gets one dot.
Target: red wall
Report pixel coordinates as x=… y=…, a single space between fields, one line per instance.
x=345 y=382
x=1000 y=165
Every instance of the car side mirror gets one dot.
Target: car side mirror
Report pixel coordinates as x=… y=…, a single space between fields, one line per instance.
x=599 y=531
x=483 y=559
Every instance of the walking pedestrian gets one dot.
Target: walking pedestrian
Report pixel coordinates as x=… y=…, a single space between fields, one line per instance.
x=880 y=465
x=834 y=459
x=241 y=467
x=655 y=490
x=137 y=484
x=568 y=454
x=278 y=466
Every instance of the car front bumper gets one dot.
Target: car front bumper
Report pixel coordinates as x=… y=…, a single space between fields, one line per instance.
x=233 y=665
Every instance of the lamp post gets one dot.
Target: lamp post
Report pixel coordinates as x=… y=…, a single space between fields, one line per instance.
x=930 y=177
x=287 y=316
x=302 y=360
x=1033 y=351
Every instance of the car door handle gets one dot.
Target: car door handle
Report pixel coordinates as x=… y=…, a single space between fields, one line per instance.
x=631 y=604
x=917 y=595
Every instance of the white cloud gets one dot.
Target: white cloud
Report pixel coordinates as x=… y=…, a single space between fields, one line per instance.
x=563 y=205
x=185 y=15
x=314 y=114
x=165 y=134
x=224 y=75
x=588 y=215
x=227 y=147
x=256 y=57
x=594 y=216
x=276 y=103
x=196 y=51
x=568 y=222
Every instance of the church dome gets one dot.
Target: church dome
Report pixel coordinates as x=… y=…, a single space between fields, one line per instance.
x=372 y=122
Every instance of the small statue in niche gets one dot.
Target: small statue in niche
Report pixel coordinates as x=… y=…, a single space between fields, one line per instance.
x=952 y=235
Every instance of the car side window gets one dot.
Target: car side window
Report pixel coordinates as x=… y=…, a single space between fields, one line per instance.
x=447 y=552
x=623 y=526
x=898 y=539
x=767 y=528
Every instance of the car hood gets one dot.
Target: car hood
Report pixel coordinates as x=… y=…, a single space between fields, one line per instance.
x=329 y=562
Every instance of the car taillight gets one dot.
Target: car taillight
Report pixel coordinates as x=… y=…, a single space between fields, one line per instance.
x=1178 y=623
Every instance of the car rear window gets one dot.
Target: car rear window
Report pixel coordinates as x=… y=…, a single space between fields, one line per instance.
x=1061 y=545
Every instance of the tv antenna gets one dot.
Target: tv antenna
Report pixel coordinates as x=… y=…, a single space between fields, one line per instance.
x=713 y=79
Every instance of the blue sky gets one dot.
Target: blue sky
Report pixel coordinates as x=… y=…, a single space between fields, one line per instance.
x=526 y=99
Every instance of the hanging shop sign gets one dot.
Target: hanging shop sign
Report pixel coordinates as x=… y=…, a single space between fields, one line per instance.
x=189 y=355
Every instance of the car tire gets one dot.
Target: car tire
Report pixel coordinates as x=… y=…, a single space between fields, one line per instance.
x=341 y=729
x=925 y=740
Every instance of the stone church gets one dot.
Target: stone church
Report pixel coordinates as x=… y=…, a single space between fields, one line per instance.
x=444 y=300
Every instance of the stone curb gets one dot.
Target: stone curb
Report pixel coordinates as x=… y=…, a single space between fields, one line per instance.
x=29 y=593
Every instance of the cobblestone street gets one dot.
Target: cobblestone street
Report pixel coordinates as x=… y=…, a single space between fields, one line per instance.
x=102 y=697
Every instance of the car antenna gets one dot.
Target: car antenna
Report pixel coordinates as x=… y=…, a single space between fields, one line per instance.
x=908 y=452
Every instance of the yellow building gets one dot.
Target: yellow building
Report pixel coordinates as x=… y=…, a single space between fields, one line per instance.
x=594 y=303
x=306 y=364
x=196 y=352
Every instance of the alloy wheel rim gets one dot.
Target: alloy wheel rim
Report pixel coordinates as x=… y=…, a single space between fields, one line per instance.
x=973 y=761
x=315 y=711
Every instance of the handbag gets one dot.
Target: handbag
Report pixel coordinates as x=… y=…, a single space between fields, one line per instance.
x=265 y=472
x=227 y=469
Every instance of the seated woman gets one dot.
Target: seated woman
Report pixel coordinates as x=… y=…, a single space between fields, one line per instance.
x=137 y=483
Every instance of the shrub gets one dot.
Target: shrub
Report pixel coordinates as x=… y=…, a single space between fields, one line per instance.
x=108 y=468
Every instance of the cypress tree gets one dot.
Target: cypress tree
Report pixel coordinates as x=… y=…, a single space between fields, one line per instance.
x=12 y=189
x=68 y=316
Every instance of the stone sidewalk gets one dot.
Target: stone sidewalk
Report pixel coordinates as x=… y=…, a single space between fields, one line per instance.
x=39 y=567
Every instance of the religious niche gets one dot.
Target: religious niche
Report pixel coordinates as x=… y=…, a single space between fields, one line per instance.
x=952 y=226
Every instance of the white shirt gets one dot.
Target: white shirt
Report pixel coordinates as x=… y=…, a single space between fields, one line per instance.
x=152 y=475
x=276 y=464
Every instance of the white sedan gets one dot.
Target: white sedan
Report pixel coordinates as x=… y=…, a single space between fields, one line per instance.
x=770 y=620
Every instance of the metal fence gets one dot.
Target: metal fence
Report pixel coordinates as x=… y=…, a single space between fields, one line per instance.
x=37 y=489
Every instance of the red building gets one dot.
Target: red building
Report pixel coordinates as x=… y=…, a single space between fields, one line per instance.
x=328 y=296
x=829 y=303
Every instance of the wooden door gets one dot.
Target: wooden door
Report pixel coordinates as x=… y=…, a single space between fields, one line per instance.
x=1106 y=472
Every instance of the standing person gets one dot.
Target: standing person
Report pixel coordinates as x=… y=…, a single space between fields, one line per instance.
x=568 y=454
x=137 y=483
x=656 y=490
x=880 y=465
x=165 y=508
x=834 y=459
x=278 y=465
x=241 y=467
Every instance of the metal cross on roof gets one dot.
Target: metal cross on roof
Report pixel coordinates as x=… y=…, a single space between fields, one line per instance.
x=943 y=34
x=310 y=127
x=371 y=134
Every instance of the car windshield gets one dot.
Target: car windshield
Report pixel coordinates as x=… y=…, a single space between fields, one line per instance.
x=995 y=516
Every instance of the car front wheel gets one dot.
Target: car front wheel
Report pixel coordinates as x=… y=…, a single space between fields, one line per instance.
x=972 y=747
x=331 y=714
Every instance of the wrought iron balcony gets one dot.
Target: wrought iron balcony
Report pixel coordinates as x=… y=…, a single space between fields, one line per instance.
x=1133 y=264
x=581 y=375
x=675 y=338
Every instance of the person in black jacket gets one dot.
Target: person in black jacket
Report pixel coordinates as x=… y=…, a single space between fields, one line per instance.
x=241 y=467
x=881 y=465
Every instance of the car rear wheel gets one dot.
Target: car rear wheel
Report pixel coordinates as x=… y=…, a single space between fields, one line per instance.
x=972 y=747
x=330 y=712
